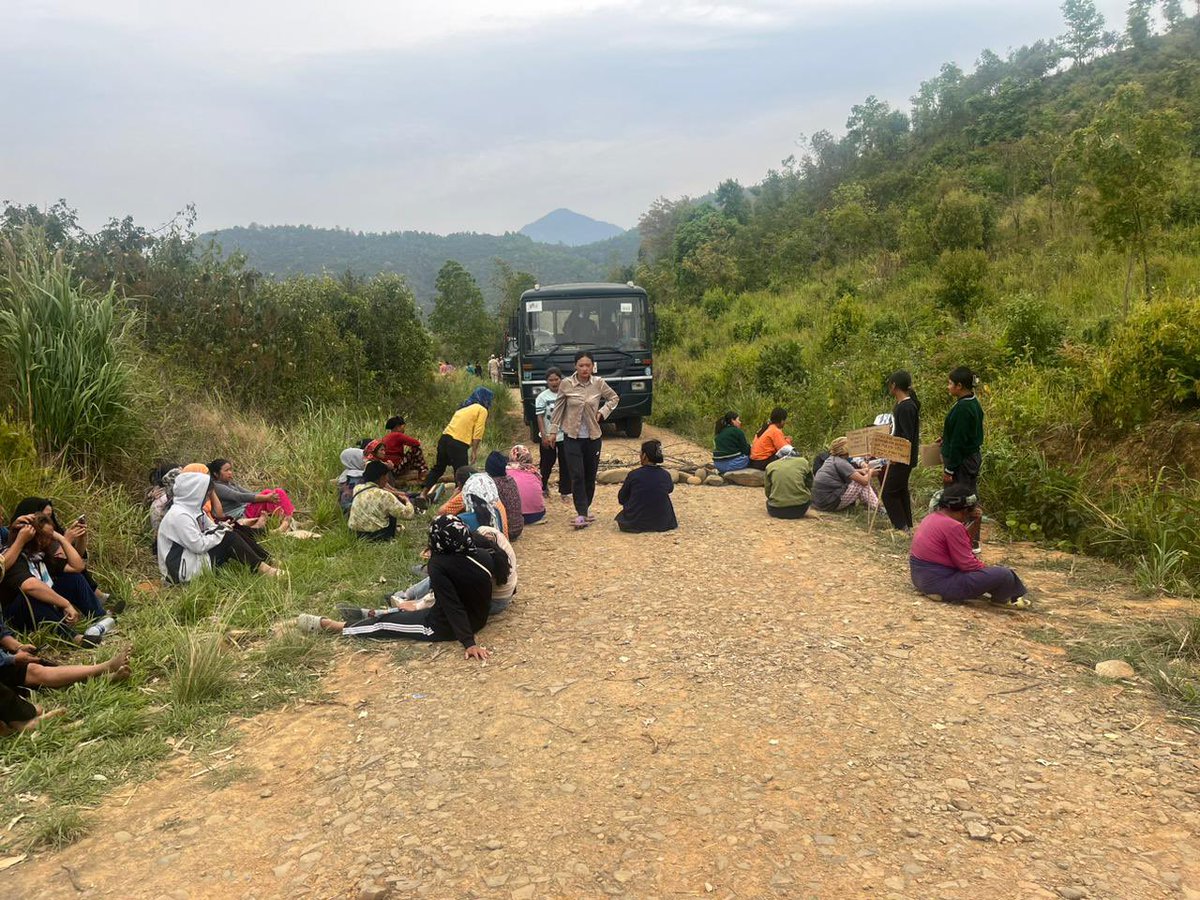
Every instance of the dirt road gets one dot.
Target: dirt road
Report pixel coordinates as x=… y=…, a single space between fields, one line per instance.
x=745 y=708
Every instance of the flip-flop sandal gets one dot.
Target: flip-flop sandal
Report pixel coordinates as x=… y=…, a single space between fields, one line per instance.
x=308 y=623
x=1014 y=603
x=580 y=523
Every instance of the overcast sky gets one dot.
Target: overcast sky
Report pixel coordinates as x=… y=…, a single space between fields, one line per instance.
x=449 y=116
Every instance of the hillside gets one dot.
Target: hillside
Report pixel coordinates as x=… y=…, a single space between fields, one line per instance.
x=283 y=250
x=564 y=226
x=1034 y=220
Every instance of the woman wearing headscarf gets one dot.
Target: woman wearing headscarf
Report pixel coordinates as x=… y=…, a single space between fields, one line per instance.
x=158 y=496
x=496 y=466
x=840 y=485
x=353 y=464
x=190 y=542
x=585 y=401
x=481 y=503
x=377 y=507
x=528 y=478
x=459 y=444
x=788 y=485
x=461 y=578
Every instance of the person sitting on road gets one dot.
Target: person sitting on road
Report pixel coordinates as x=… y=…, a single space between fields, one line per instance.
x=731 y=450
x=840 y=484
x=645 y=497
x=459 y=444
x=481 y=503
x=525 y=473
x=788 y=485
x=943 y=565
x=496 y=465
x=377 y=505
x=461 y=577
x=769 y=440
x=251 y=508
x=353 y=464
x=190 y=542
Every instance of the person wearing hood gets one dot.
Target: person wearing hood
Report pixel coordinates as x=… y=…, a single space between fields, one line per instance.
x=459 y=444
x=353 y=464
x=496 y=465
x=189 y=542
x=377 y=505
x=246 y=506
x=788 y=485
x=461 y=577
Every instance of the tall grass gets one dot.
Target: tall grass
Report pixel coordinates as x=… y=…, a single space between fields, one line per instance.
x=71 y=357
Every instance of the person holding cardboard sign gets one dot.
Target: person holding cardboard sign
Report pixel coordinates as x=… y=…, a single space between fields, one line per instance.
x=942 y=565
x=906 y=423
x=962 y=438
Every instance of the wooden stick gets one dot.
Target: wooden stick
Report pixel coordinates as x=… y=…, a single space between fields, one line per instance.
x=874 y=514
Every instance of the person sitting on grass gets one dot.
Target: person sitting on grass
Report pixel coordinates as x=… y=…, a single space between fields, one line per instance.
x=377 y=505
x=496 y=466
x=460 y=577
x=769 y=440
x=645 y=497
x=840 y=484
x=731 y=450
x=252 y=508
x=190 y=542
x=402 y=452
x=77 y=537
x=528 y=478
x=27 y=593
x=943 y=565
x=455 y=506
x=353 y=464
x=788 y=485
x=22 y=670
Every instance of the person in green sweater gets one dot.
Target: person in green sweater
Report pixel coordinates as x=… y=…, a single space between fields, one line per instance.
x=731 y=450
x=962 y=438
x=788 y=485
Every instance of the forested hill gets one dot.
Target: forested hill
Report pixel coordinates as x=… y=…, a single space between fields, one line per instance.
x=301 y=249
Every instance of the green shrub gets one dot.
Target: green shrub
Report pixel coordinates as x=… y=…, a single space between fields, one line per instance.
x=71 y=357
x=201 y=670
x=962 y=279
x=1030 y=497
x=716 y=302
x=1032 y=330
x=668 y=328
x=749 y=328
x=781 y=367
x=846 y=320
x=1153 y=360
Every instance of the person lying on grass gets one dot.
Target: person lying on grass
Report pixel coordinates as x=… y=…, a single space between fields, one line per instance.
x=461 y=578
x=251 y=508
x=377 y=505
x=27 y=593
x=942 y=564
x=22 y=670
x=189 y=542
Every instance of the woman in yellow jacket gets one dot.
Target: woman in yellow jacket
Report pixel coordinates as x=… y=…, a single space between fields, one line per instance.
x=459 y=444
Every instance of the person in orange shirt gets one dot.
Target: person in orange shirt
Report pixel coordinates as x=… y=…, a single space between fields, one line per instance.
x=769 y=440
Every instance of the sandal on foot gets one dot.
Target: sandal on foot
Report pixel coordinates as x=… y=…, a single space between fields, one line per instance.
x=1014 y=603
x=308 y=623
x=580 y=523
x=936 y=598
x=353 y=613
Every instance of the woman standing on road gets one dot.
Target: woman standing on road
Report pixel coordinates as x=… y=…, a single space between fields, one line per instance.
x=551 y=444
x=962 y=439
x=585 y=401
x=906 y=423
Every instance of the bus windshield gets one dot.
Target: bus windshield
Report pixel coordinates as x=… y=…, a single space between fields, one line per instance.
x=618 y=322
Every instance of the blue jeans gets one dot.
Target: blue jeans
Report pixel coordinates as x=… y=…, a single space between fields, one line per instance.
x=732 y=465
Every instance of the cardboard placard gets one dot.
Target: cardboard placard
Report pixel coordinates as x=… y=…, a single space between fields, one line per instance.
x=931 y=455
x=893 y=449
x=858 y=442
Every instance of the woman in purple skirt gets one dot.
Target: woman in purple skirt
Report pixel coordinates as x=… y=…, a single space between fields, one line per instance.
x=943 y=565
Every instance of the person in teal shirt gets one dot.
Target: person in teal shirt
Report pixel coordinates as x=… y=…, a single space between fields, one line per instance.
x=962 y=438
x=731 y=450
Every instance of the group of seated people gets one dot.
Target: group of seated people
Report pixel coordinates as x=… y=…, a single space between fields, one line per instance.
x=47 y=590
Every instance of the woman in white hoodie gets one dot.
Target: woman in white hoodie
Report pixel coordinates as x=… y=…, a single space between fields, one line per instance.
x=190 y=542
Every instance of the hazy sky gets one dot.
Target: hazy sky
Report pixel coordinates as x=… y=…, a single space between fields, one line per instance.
x=450 y=116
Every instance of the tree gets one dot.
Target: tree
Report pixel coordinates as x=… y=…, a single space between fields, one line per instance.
x=460 y=318
x=1085 y=29
x=1130 y=157
x=853 y=219
x=1173 y=12
x=510 y=285
x=731 y=198
x=1137 y=23
x=962 y=221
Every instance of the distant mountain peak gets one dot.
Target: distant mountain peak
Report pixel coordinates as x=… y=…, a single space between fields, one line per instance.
x=565 y=226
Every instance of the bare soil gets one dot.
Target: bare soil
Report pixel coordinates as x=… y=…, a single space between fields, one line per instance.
x=747 y=707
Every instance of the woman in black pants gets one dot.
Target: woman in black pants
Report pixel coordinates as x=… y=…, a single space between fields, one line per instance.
x=586 y=401
x=906 y=423
x=459 y=444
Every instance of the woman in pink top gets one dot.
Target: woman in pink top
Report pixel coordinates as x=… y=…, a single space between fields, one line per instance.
x=526 y=474
x=943 y=565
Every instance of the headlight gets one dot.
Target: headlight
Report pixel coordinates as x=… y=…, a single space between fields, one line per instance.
x=647 y=371
x=639 y=385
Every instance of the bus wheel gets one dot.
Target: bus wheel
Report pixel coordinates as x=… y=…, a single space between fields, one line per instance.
x=633 y=427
